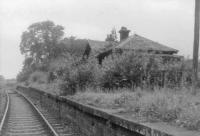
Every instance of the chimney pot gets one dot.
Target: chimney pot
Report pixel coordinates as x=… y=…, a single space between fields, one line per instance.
x=124 y=33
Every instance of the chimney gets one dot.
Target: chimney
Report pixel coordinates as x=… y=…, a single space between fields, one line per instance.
x=124 y=33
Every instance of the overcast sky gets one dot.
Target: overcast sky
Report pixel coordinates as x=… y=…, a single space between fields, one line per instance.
x=169 y=22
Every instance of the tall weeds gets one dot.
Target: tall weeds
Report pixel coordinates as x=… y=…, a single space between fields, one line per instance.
x=130 y=70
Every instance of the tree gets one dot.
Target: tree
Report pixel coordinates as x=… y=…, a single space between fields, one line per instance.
x=40 y=41
x=112 y=36
x=28 y=62
x=24 y=75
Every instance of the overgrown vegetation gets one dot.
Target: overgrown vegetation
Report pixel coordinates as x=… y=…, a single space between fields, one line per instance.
x=130 y=70
x=48 y=59
x=177 y=107
x=141 y=84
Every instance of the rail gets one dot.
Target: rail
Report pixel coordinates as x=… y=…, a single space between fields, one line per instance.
x=5 y=112
x=40 y=114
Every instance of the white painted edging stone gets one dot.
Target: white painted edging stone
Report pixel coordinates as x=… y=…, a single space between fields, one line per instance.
x=44 y=119
x=5 y=112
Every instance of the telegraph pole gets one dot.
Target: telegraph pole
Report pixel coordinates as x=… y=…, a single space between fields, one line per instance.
x=196 y=44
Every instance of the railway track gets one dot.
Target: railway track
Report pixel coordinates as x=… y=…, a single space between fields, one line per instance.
x=22 y=118
x=62 y=127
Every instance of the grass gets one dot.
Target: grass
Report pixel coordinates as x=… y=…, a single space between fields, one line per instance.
x=52 y=88
x=176 y=107
x=38 y=80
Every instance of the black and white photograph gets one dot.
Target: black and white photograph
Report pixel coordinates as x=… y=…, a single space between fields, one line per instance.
x=99 y=68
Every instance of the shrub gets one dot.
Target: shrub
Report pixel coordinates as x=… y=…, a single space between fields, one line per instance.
x=79 y=74
x=129 y=70
x=24 y=75
x=39 y=77
x=51 y=76
x=177 y=74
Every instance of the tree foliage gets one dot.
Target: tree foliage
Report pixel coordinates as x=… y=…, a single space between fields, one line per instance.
x=41 y=40
x=112 y=37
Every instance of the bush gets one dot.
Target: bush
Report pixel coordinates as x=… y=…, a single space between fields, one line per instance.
x=39 y=77
x=24 y=75
x=128 y=70
x=177 y=74
x=51 y=76
x=79 y=74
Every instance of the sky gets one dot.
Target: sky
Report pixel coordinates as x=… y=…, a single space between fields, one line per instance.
x=170 y=22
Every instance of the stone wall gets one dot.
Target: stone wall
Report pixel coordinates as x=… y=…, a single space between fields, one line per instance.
x=92 y=121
